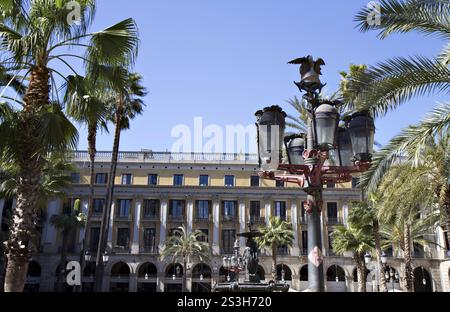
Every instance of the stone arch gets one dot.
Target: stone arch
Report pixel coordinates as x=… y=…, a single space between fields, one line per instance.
x=201 y=269
x=422 y=280
x=147 y=270
x=120 y=269
x=335 y=271
x=287 y=272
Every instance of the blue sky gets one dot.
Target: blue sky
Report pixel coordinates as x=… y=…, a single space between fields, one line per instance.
x=223 y=60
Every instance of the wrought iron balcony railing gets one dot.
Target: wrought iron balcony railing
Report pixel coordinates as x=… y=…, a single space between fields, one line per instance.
x=334 y=221
x=257 y=220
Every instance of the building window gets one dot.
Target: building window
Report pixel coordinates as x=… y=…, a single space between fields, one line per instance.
x=203 y=209
x=151 y=208
x=355 y=182
x=178 y=179
x=280 y=210
x=255 y=209
x=204 y=237
x=75 y=178
x=176 y=209
x=279 y=184
x=94 y=239
x=228 y=238
x=127 y=179
x=69 y=206
x=447 y=244
x=254 y=181
x=332 y=213
x=98 y=205
x=123 y=237
x=304 y=243
x=203 y=180
x=229 y=180
x=303 y=213
x=123 y=208
x=149 y=239
x=101 y=178
x=229 y=209
x=331 y=185
x=152 y=179
x=174 y=232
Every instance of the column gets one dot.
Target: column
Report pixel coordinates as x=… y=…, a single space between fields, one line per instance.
x=85 y=210
x=132 y=286
x=111 y=226
x=49 y=230
x=2 y=205
x=242 y=224
x=216 y=224
x=136 y=224
x=163 y=219
x=190 y=213
x=268 y=208
x=345 y=212
x=160 y=286
x=294 y=214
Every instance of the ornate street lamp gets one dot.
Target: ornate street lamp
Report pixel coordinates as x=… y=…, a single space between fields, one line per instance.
x=344 y=150
x=105 y=257
x=361 y=128
x=270 y=126
x=309 y=154
x=383 y=258
x=367 y=258
x=295 y=147
x=325 y=123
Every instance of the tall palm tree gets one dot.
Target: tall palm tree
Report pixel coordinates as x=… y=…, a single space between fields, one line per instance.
x=185 y=246
x=407 y=196
x=35 y=35
x=276 y=233
x=68 y=224
x=128 y=104
x=363 y=215
x=89 y=102
x=357 y=240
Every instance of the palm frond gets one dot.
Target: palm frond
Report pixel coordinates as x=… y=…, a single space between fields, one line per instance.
x=429 y=17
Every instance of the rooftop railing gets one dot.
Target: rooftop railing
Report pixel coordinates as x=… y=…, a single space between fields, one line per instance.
x=168 y=157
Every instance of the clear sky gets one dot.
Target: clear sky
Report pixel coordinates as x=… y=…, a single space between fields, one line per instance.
x=224 y=59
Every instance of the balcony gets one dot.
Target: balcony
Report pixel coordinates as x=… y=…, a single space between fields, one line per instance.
x=227 y=250
x=257 y=220
x=229 y=218
x=122 y=218
x=200 y=219
x=153 y=250
x=334 y=221
x=285 y=218
x=176 y=218
x=419 y=254
x=151 y=217
x=283 y=251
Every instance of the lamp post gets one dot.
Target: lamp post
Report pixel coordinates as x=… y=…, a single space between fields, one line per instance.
x=234 y=264
x=392 y=276
x=308 y=170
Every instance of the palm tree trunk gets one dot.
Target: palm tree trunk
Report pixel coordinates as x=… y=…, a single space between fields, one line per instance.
x=183 y=289
x=109 y=199
x=361 y=271
x=62 y=261
x=92 y=139
x=377 y=237
x=274 y=262
x=30 y=167
x=409 y=275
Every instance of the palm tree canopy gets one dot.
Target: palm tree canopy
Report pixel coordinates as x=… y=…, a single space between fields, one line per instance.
x=184 y=245
x=276 y=233
x=352 y=239
x=67 y=222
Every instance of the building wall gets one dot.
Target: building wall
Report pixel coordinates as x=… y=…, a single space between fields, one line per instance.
x=135 y=256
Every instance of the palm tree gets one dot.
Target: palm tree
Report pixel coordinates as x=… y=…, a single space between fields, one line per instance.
x=89 y=102
x=407 y=196
x=276 y=233
x=68 y=224
x=35 y=35
x=357 y=240
x=185 y=246
x=128 y=104
x=363 y=215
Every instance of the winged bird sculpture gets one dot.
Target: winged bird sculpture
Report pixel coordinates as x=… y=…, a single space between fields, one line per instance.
x=310 y=71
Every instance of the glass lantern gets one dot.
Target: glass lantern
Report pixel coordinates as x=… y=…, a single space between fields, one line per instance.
x=344 y=150
x=325 y=123
x=361 y=127
x=295 y=147
x=270 y=127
